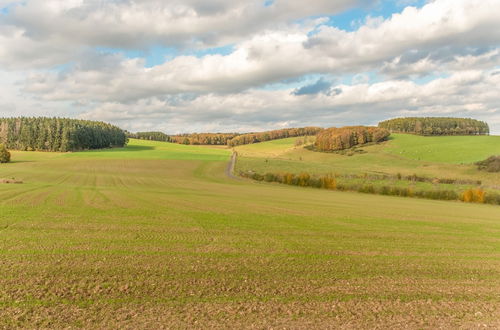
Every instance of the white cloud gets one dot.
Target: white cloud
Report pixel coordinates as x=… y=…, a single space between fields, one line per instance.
x=456 y=39
x=140 y=24
x=272 y=56
x=468 y=93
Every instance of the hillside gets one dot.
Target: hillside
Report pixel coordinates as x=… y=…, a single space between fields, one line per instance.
x=445 y=149
x=403 y=152
x=155 y=233
x=410 y=162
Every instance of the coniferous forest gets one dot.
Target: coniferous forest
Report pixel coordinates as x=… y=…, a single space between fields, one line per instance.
x=436 y=126
x=152 y=136
x=333 y=139
x=59 y=134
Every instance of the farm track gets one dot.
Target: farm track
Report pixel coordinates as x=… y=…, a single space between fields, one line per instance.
x=231 y=166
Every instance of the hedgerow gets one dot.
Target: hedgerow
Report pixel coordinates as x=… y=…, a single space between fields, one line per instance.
x=475 y=195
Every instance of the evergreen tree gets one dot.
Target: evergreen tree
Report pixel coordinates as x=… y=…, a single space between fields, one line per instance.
x=59 y=134
x=152 y=136
x=436 y=126
x=4 y=154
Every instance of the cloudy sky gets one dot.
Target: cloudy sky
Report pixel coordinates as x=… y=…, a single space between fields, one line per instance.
x=246 y=65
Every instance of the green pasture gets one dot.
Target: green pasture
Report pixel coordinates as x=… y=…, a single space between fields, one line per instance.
x=403 y=153
x=445 y=149
x=155 y=235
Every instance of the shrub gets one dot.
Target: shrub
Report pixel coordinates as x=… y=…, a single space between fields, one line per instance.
x=476 y=195
x=328 y=182
x=473 y=196
x=492 y=198
x=492 y=164
x=368 y=189
x=4 y=154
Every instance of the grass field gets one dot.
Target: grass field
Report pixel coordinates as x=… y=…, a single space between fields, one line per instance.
x=445 y=149
x=156 y=236
x=441 y=157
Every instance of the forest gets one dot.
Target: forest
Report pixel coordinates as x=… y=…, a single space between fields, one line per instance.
x=58 y=134
x=152 y=136
x=436 y=126
x=334 y=139
x=273 y=135
x=203 y=138
x=236 y=139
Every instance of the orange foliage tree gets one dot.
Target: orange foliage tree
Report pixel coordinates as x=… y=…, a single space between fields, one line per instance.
x=334 y=138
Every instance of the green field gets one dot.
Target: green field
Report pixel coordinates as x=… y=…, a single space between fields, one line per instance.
x=434 y=157
x=445 y=149
x=156 y=235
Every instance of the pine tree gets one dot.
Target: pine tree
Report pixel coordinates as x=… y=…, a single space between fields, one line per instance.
x=4 y=154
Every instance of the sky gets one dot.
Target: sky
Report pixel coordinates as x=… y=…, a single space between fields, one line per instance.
x=181 y=66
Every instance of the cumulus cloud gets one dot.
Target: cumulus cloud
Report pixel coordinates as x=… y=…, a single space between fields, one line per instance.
x=415 y=42
x=436 y=60
x=40 y=27
x=467 y=93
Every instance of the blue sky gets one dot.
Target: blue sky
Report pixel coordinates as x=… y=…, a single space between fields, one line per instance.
x=348 y=20
x=351 y=19
x=150 y=65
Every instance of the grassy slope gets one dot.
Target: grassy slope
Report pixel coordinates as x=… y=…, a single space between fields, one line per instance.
x=405 y=154
x=446 y=149
x=155 y=235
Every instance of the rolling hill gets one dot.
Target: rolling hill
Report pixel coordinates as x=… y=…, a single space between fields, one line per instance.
x=155 y=233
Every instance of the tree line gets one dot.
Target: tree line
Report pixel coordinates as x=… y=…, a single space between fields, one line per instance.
x=333 y=139
x=203 y=138
x=229 y=139
x=59 y=134
x=272 y=135
x=151 y=136
x=436 y=126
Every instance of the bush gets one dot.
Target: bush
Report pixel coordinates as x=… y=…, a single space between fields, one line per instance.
x=476 y=195
x=473 y=196
x=492 y=164
x=4 y=154
x=492 y=198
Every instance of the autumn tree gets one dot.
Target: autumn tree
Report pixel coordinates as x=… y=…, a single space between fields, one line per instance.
x=250 y=138
x=333 y=139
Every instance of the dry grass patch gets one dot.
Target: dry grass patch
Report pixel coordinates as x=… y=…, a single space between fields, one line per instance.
x=8 y=181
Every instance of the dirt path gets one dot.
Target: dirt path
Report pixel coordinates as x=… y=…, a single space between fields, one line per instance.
x=231 y=165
